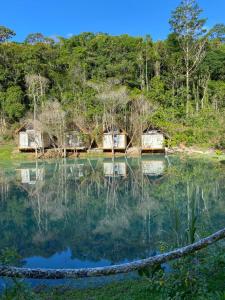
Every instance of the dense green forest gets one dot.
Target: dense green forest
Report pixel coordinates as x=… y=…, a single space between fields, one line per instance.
x=99 y=80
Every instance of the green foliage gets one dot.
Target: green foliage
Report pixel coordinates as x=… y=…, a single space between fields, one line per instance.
x=75 y=71
x=219 y=152
x=185 y=20
x=19 y=291
x=13 y=105
x=5 y=33
x=9 y=257
x=194 y=277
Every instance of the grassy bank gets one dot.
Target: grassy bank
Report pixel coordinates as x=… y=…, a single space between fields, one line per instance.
x=8 y=153
x=142 y=289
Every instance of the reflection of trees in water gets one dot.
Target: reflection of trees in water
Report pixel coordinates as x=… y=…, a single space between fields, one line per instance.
x=6 y=179
x=115 y=217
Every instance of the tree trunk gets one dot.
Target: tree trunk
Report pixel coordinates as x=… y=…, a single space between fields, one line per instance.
x=187 y=92
x=14 y=272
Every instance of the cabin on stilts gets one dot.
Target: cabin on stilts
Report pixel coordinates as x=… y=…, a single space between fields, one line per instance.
x=32 y=138
x=114 y=140
x=153 y=140
x=75 y=139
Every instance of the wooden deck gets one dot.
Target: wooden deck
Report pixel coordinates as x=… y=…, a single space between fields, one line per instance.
x=115 y=149
x=75 y=148
x=29 y=149
x=69 y=149
x=153 y=150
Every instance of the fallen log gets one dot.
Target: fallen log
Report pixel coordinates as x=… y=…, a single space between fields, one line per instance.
x=15 y=272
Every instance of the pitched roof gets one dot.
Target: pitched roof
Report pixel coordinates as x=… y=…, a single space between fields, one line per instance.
x=151 y=129
x=29 y=124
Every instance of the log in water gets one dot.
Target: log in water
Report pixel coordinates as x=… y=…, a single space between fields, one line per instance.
x=15 y=272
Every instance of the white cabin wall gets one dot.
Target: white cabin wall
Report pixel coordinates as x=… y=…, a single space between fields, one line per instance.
x=35 y=140
x=107 y=141
x=120 y=141
x=23 y=139
x=153 y=141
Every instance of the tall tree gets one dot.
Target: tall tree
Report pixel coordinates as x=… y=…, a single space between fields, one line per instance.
x=192 y=36
x=37 y=86
x=35 y=38
x=6 y=34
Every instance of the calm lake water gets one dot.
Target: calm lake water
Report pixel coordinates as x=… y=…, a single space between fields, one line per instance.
x=98 y=212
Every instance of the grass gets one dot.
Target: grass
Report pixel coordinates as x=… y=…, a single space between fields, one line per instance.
x=136 y=289
x=6 y=152
x=142 y=289
x=9 y=153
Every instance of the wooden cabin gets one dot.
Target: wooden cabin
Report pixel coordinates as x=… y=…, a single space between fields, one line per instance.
x=115 y=169
x=31 y=139
x=75 y=138
x=114 y=140
x=153 y=140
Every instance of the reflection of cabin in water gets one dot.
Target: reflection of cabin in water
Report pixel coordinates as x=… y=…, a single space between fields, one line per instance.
x=75 y=171
x=153 y=140
x=114 y=139
x=31 y=137
x=153 y=167
x=115 y=169
x=31 y=176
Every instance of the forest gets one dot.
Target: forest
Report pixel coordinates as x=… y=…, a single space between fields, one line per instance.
x=97 y=81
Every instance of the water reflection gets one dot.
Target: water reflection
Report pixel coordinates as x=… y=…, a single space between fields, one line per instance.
x=107 y=211
x=153 y=167
x=31 y=176
x=115 y=169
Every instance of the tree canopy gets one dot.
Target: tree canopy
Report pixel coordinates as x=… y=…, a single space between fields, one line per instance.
x=175 y=84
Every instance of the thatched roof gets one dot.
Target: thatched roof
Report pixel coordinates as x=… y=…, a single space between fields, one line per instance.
x=153 y=130
x=29 y=125
x=114 y=130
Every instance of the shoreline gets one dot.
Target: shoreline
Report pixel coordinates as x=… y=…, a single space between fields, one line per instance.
x=9 y=153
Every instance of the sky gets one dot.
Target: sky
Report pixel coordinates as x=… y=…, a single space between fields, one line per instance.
x=69 y=17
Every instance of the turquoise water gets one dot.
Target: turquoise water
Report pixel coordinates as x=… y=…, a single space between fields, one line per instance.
x=98 y=212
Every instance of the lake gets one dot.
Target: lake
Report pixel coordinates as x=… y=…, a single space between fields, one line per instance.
x=98 y=212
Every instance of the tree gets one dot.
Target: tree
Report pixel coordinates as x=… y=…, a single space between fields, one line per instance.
x=53 y=121
x=37 y=86
x=114 y=100
x=6 y=34
x=218 y=32
x=189 y=28
x=14 y=107
x=217 y=93
x=34 y=38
